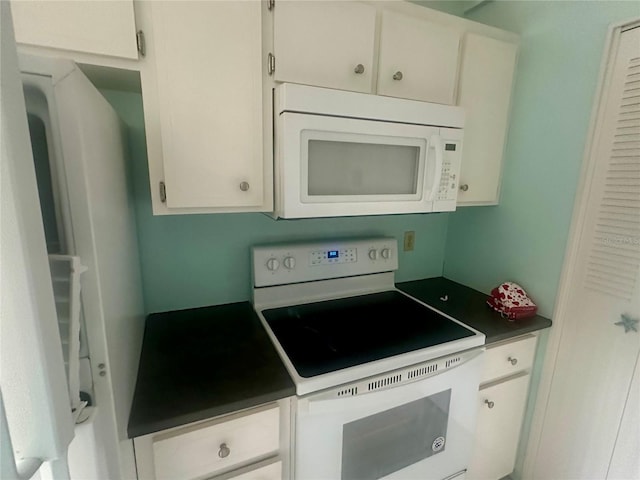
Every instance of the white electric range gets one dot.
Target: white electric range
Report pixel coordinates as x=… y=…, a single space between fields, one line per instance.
x=386 y=385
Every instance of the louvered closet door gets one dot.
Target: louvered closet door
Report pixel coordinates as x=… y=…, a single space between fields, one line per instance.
x=596 y=359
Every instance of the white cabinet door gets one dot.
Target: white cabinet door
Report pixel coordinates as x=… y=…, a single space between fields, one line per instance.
x=98 y=27
x=325 y=43
x=625 y=461
x=272 y=471
x=207 y=113
x=418 y=59
x=486 y=80
x=500 y=412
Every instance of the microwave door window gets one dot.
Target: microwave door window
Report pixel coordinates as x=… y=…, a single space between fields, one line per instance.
x=341 y=168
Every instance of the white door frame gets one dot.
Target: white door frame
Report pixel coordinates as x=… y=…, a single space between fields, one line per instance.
x=571 y=254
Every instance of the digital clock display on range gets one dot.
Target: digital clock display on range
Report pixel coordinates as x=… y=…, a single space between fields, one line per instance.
x=333 y=254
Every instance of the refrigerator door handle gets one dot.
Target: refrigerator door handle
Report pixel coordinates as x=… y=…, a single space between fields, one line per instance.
x=10 y=470
x=27 y=467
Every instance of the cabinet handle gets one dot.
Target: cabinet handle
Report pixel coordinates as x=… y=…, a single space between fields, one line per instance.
x=244 y=186
x=514 y=361
x=464 y=187
x=359 y=69
x=397 y=75
x=489 y=403
x=224 y=451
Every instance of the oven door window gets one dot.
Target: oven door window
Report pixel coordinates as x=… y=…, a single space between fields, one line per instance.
x=378 y=445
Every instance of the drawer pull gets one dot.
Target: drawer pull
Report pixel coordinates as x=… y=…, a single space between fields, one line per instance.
x=514 y=361
x=398 y=75
x=489 y=403
x=224 y=451
x=359 y=69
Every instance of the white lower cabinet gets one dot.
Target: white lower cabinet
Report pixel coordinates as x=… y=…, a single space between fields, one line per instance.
x=271 y=471
x=501 y=405
x=250 y=444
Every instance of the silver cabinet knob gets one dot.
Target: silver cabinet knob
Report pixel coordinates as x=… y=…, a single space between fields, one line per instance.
x=514 y=361
x=224 y=451
x=244 y=186
x=397 y=75
x=359 y=69
x=489 y=403
x=464 y=187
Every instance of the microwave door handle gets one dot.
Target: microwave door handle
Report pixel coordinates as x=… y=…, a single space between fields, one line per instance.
x=436 y=142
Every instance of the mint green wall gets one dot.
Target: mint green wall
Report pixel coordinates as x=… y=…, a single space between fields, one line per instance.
x=195 y=260
x=454 y=7
x=523 y=239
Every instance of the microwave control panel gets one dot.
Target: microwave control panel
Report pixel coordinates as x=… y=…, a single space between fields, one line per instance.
x=304 y=262
x=447 y=192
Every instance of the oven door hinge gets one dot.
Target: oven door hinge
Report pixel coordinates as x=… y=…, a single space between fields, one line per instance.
x=140 y=43
x=163 y=192
x=271 y=63
x=271 y=4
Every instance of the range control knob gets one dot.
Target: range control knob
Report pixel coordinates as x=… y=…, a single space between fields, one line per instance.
x=273 y=264
x=373 y=254
x=386 y=253
x=289 y=263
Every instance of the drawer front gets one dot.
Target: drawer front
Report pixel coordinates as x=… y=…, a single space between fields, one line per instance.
x=509 y=358
x=268 y=472
x=205 y=450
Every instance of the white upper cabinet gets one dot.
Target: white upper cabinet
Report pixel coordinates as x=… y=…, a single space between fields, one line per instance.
x=202 y=84
x=95 y=27
x=418 y=59
x=486 y=83
x=330 y=44
x=335 y=45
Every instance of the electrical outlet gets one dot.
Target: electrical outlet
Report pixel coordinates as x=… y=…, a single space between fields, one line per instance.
x=409 y=241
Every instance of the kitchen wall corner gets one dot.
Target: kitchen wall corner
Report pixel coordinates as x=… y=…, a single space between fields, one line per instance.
x=523 y=239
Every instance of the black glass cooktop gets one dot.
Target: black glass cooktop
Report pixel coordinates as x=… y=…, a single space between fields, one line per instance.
x=326 y=336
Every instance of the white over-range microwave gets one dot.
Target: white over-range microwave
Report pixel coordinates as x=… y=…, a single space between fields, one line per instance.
x=341 y=153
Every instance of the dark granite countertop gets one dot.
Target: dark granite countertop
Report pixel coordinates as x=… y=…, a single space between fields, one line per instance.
x=469 y=306
x=199 y=363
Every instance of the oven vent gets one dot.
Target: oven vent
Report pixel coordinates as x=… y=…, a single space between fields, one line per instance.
x=451 y=361
x=348 y=392
x=385 y=382
x=419 y=372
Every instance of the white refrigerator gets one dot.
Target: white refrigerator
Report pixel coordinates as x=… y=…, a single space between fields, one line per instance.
x=45 y=359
